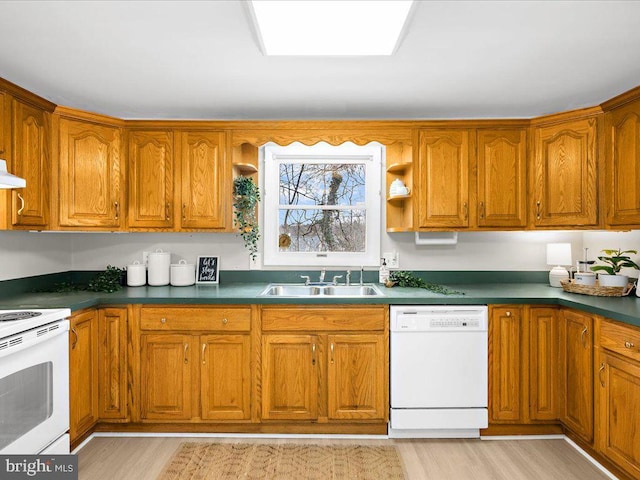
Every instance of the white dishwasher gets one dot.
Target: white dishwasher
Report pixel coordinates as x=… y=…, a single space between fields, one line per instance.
x=438 y=371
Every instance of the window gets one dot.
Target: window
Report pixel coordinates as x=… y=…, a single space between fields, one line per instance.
x=322 y=205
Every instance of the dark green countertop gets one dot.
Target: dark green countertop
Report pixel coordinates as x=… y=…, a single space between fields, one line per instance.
x=625 y=309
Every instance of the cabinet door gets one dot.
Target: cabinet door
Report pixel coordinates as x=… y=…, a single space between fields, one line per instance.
x=443 y=179
x=83 y=373
x=90 y=175
x=356 y=377
x=502 y=174
x=543 y=363
x=166 y=377
x=225 y=377
x=565 y=175
x=112 y=367
x=623 y=165
x=4 y=125
x=205 y=182
x=289 y=377
x=576 y=366
x=505 y=364
x=619 y=437
x=31 y=161
x=151 y=179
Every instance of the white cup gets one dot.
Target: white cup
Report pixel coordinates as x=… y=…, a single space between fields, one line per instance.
x=136 y=274
x=585 y=278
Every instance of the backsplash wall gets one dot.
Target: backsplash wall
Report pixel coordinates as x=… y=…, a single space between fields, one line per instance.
x=24 y=254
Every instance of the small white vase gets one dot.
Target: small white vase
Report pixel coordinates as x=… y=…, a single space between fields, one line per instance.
x=612 y=280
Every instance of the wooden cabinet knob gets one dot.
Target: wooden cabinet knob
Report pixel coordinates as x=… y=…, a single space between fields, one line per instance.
x=225 y=321
x=163 y=320
x=628 y=345
x=508 y=314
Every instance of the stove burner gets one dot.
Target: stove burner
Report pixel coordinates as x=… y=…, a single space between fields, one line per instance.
x=13 y=316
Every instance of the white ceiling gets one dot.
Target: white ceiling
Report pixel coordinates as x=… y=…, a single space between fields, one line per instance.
x=200 y=59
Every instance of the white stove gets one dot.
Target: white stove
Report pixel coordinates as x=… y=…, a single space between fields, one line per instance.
x=34 y=381
x=17 y=321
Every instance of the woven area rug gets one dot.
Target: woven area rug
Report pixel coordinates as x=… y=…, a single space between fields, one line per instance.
x=253 y=461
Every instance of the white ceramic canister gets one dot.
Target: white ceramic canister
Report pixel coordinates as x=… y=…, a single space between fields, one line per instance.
x=136 y=274
x=585 y=278
x=159 y=268
x=183 y=274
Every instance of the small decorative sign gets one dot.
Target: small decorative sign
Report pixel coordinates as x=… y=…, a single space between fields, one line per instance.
x=207 y=270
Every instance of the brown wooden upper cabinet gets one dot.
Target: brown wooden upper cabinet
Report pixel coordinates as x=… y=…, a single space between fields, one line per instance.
x=622 y=146
x=151 y=179
x=31 y=127
x=502 y=178
x=443 y=178
x=564 y=174
x=205 y=180
x=90 y=176
x=5 y=124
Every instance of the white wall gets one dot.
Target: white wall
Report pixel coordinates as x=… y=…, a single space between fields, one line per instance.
x=25 y=254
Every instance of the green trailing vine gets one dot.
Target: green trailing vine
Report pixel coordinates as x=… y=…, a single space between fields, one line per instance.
x=107 y=281
x=407 y=279
x=246 y=196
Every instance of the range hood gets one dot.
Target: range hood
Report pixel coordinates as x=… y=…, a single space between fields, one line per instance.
x=10 y=181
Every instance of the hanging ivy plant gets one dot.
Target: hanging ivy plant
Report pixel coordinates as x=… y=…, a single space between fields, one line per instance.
x=246 y=196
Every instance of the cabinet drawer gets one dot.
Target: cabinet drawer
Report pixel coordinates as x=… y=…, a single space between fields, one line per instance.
x=301 y=318
x=620 y=339
x=205 y=319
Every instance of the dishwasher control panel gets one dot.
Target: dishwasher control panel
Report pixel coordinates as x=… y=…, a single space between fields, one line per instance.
x=444 y=318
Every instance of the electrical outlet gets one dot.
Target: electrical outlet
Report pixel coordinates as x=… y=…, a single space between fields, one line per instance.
x=145 y=258
x=391 y=259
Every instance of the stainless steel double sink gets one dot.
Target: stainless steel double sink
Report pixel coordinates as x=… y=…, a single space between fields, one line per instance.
x=320 y=290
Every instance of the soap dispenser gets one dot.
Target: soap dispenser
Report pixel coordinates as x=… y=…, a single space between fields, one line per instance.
x=383 y=275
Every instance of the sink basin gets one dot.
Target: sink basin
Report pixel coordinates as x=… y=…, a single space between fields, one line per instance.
x=292 y=290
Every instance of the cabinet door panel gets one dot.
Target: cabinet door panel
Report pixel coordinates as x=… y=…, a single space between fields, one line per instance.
x=619 y=405
x=502 y=178
x=31 y=153
x=356 y=380
x=289 y=377
x=89 y=175
x=505 y=364
x=151 y=179
x=623 y=166
x=204 y=180
x=576 y=363
x=4 y=125
x=565 y=174
x=112 y=352
x=83 y=369
x=225 y=377
x=443 y=178
x=166 y=378
x=543 y=363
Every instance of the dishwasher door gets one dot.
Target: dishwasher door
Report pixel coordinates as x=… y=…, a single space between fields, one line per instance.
x=433 y=369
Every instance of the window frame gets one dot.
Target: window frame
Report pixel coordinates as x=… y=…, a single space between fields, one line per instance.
x=370 y=155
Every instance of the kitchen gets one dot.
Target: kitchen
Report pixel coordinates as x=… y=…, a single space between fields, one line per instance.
x=510 y=252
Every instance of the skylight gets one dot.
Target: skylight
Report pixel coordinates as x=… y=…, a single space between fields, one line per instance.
x=330 y=27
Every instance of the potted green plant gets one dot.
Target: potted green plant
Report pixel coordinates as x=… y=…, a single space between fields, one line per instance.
x=615 y=261
x=246 y=195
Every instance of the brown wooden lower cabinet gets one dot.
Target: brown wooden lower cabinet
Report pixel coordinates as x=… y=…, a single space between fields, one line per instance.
x=112 y=364
x=83 y=373
x=290 y=377
x=617 y=383
x=576 y=365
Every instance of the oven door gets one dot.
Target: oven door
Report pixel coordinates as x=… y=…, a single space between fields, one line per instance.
x=34 y=388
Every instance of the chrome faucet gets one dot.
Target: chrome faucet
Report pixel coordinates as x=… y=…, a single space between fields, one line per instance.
x=306 y=278
x=322 y=273
x=361 y=275
x=348 y=281
x=335 y=279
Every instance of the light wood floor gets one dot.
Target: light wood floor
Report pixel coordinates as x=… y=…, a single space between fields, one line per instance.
x=142 y=458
